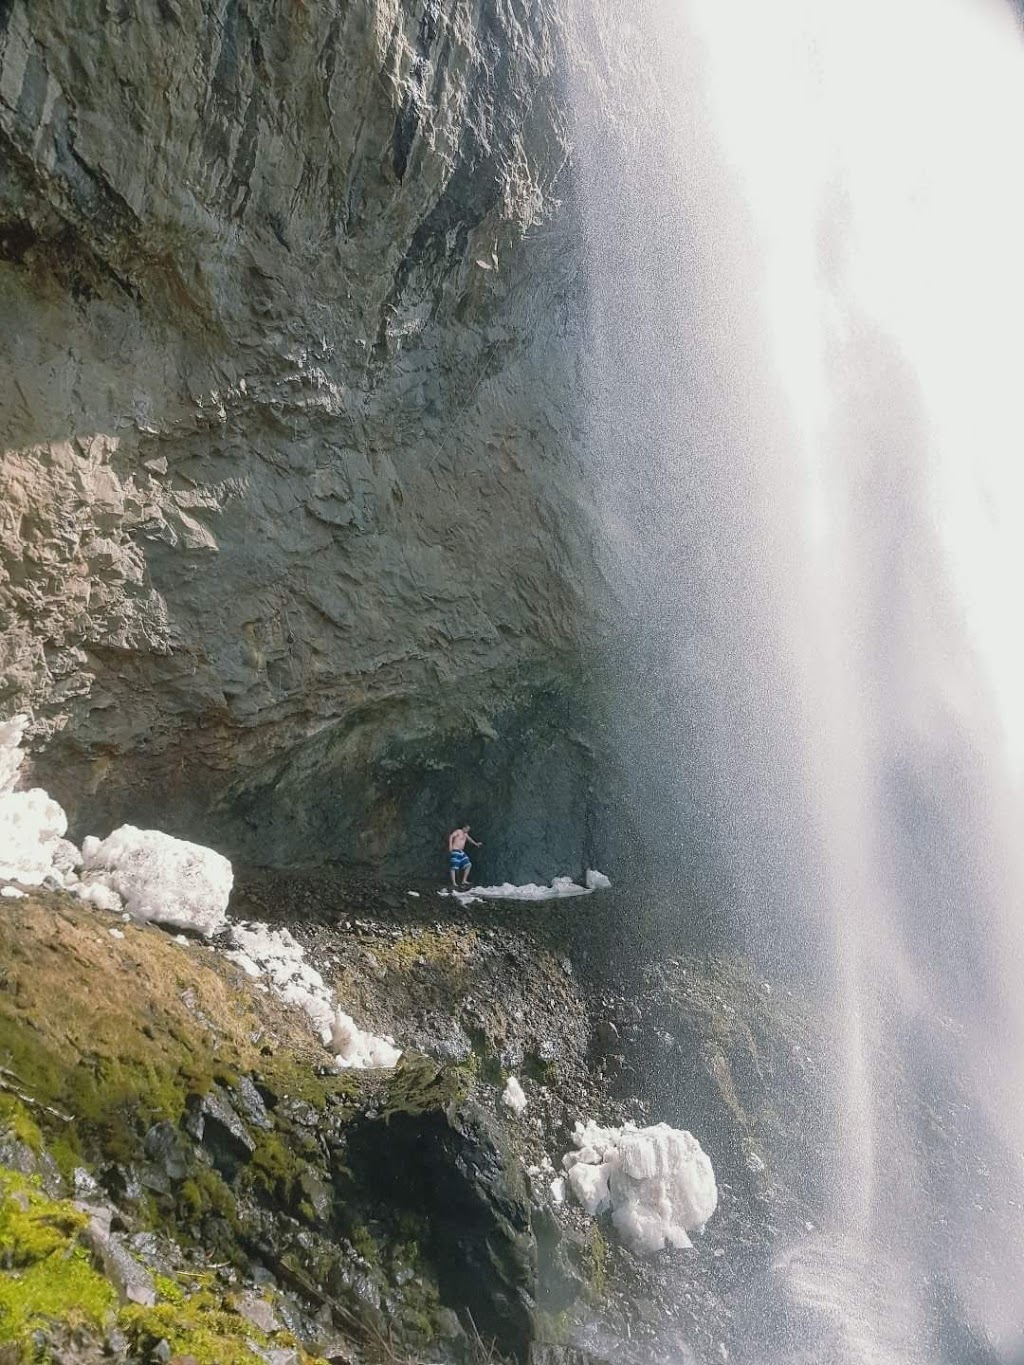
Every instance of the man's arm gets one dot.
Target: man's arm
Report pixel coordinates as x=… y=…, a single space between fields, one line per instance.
x=475 y=842
x=451 y=845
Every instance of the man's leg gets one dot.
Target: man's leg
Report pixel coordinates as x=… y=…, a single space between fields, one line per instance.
x=451 y=873
x=465 y=873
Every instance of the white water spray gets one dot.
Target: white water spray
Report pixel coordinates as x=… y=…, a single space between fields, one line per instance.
x=805 y=226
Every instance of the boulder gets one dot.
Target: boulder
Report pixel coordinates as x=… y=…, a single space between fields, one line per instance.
x=130 y=1278
x=169 y=881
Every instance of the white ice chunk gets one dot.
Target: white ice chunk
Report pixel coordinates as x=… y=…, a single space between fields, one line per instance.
x=31 y=824
x=658 y=1182
x=354 y=1048
x=558 y=1189
x=12 y=893
x=646 y=1230
x=98 y=894
x=116 y=933
x=66 y=856
x=590 y=1186
x=168 y=880
x=597 y=881
x=514 y=1097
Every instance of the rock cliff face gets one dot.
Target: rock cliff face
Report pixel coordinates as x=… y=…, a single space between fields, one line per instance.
x=290 y=544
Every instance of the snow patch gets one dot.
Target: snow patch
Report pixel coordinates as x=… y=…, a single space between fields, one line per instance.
x=163 y=879
x=463 y=897
x=560 y=888
x=276 y=954
x=513 y=1097
x=658 y=1182
x=98 y=894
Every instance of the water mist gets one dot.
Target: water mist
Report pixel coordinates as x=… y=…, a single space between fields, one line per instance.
x=803 y=232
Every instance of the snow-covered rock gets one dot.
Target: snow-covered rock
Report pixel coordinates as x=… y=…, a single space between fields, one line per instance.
x=658 y=1182
x=513 y=1097
x=160 y=878
x=596 y=881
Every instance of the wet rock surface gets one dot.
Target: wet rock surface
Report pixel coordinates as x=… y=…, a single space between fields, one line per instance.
x=598 y=1018
x=410 y=1207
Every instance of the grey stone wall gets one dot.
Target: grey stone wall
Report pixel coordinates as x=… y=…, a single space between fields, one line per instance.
x=291 y=542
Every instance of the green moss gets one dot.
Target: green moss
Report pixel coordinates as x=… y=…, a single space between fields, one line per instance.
x=120 y=1034
x=452 y=948
x=554 y=1329
x=198 y=1327
x=204 y=1326
x=420 y=1086
x=16 y=1119
x=49 y=1277
x=276 y=1168
x=471 y=1067
x=203 y=1194
x=169 y=1290
x=293 y=1075
x=597 y=1265
x=363 y=1242
x=31 y=1225
x=114 y=1098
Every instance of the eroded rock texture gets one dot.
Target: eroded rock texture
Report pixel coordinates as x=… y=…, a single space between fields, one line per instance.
x=289 y=545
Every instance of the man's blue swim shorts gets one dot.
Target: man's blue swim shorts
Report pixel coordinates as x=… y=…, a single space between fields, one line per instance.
x=457 y=860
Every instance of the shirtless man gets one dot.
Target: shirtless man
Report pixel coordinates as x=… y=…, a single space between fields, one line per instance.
x=458 y=858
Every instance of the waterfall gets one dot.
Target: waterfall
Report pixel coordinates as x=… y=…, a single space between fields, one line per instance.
x=804 y=231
